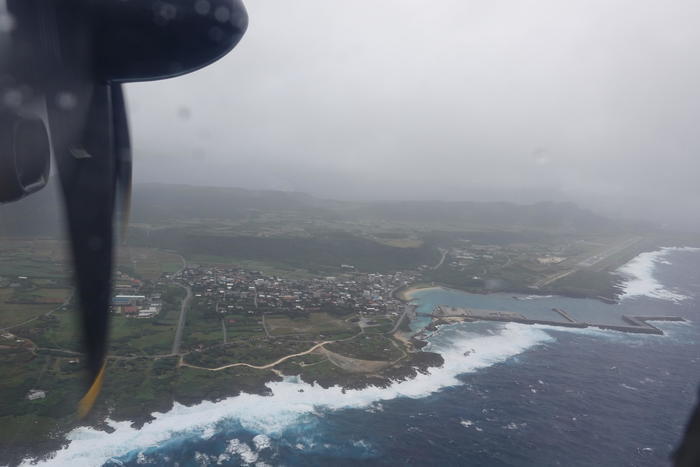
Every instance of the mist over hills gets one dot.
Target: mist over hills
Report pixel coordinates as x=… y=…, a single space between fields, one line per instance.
x=156 y=201
x=41 y=213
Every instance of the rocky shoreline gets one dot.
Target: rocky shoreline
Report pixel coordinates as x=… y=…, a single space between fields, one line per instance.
x=416 y=362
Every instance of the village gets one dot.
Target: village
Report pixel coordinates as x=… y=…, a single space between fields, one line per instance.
x=132 y=299
x=234 y=290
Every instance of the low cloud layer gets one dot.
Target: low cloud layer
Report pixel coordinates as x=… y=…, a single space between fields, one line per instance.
x=591 y=101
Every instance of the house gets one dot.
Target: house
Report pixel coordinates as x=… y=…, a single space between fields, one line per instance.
x=34 y=394
x=121 y=300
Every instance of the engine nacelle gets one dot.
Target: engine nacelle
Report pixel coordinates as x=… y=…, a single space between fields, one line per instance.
x=24 y=155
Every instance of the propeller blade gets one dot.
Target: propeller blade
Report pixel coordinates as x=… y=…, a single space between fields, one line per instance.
x=84 y=153
x=122 y=153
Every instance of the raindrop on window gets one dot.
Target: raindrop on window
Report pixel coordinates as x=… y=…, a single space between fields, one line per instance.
x=164 y=13
x=66 y=100
x=222 y=14
x=202 y=7
x=7 y=22
x=184 y=113
x=12 y=98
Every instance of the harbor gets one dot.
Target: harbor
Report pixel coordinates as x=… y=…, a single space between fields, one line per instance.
x=632 y=324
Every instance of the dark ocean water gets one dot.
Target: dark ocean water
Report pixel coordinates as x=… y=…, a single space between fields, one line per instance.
x=523 y=395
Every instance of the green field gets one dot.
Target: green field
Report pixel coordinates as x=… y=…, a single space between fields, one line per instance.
x=321 y=325
x=270 y=268
x=34 y=303
x=367 y=347
x=254 y=351
x=148 y=263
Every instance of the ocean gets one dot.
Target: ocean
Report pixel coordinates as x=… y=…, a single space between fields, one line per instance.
x=508 y=394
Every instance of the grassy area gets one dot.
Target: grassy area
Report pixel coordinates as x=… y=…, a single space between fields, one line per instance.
x=12 y=314
x=205 y=326
x=367 y=347
x=585 y=283
x=270 y=268
x=59 y=330
x=141 y=336
x=52 y=295
x=313 y=324
x=18 y=305
x=148 y=263
x=379 y=326
x=38 y=258
x=254 y=351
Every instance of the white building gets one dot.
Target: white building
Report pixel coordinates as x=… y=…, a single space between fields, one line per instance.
x=34 y=394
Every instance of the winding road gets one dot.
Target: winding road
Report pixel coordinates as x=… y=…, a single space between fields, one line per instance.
x=260 y=367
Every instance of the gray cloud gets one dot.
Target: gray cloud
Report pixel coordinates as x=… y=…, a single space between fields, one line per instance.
x=592 y=101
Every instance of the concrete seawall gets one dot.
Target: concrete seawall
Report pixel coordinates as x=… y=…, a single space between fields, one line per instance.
x=637 y=324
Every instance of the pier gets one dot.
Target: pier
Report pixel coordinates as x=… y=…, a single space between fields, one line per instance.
x=636 y=324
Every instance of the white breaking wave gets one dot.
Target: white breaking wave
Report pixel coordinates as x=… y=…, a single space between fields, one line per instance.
x=271 y=415
x=639 y=273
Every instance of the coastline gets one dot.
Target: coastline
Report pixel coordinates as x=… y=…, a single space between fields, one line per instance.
x=406 y=293
x=402 y=371
x=415 y=363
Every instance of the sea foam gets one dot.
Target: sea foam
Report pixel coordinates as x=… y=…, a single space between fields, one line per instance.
x=271 y=415
x=639 y=274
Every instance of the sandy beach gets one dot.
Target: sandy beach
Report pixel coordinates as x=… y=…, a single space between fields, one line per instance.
x=407 y=294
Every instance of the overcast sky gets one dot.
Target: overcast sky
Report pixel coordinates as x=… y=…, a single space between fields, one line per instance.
x=595 y=101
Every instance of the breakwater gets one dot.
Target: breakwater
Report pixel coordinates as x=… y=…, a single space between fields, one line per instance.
x=636 y=324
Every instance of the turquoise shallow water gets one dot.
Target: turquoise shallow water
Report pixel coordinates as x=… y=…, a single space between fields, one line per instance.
x=536 y=307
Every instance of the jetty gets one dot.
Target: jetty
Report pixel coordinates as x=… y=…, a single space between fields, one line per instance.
x=635 y=324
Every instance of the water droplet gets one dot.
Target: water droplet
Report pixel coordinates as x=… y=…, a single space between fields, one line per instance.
x=202 y=7
x=7 y=22
x=66 y=100
x=184 y=113
x=164 y=12
x=12 y=98
x=222 y=14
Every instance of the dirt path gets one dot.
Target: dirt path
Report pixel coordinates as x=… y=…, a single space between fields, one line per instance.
x=355 y=365
x=260 y=367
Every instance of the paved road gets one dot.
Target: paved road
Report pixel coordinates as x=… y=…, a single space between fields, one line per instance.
x=223 y=328
x=181 y=321
x=267 y=332
x=442 y=260
x=406 y=309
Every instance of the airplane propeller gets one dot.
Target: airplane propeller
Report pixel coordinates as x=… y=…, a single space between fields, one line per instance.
x=62 y=68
